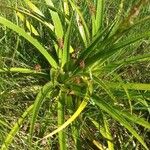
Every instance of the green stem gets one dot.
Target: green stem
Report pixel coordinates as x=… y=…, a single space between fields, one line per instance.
x=61 y=134
x=76 y=136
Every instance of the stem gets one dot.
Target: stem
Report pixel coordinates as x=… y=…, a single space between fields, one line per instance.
x=61 y=134
x=76 y=135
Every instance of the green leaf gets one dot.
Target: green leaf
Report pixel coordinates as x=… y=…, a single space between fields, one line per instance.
x=118 y=17
x=61 y=119
x=108 y=133
x=34 y=8
x=112 y=112
x=4 y=124
x=72 y=118
x=36 y=17
x=56 y=20
x=108 y=52
x=86 y=38
x=99 y=14
x=15 y=129
x=131 y=86
x=66 y=49
x=20 y=70
x=47 y=88
x=134 y=118
x=99 y=37
x=33 y=41
x=132 y=59
x=105 y=87
x=28 y=24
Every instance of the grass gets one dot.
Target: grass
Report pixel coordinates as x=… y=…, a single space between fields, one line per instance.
x=74 y=74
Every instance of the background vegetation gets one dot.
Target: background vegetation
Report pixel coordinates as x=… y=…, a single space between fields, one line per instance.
x=74 y=74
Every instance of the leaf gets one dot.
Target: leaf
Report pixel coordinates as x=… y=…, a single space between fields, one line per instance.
x=58 y=29
x=66 y=49
x=131 y=86
x=105 y=131
x=134 y=118
x=112 y=112
x=47 y=88
x=108 y=134
x=132 y=59
x=33 y=41
x=113 y=49
x=29 y=25
x=61 y=119
x=71 y=119
x=38 y=18
x=81 y=30
x=15 y=129
x=34 y=8
x=118 y=17
x=20 y=70
x=99 y=38
x=99 y=14
x=105 y=87
x=3 y=123
x=86 y=38
x=66 y=7
x=56 y=20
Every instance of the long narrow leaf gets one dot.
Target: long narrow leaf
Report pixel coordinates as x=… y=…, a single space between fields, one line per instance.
x=33 y=41
x=83 y=22
x=131 y=86
x=112 y=112
x=99 y=14
x=66 y=49
x=56 y=20
x=71 y=119
x=134 y=119
x=15 y=129
x=20 y=70
x=105 y=87
x=28 y=24
x=108 y=52
x=47 y=88
x=34 y=8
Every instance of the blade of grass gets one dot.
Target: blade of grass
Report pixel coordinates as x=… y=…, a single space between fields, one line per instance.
x=33 y=41
x=86 y=30
x=105 y=131
x=131 y=86
x=60 y=114
x=81 y=30
x=3 y=123
x=98 y=37
x=35 y=16
x=66 y=49
x=108 y=134
x=105 y=87
x=112 y=112
x=92 y=12
x=34 y=8
x=58 y=28
x=92 y=139
x=118 y=17
x=99 y=15
x=56 y=20
x=29 y=25
x=71 y=119
x=105 y=54
x=47 y=88
x=134 y=118
x=20 y=70
x=66 y=7
x=15 y=129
